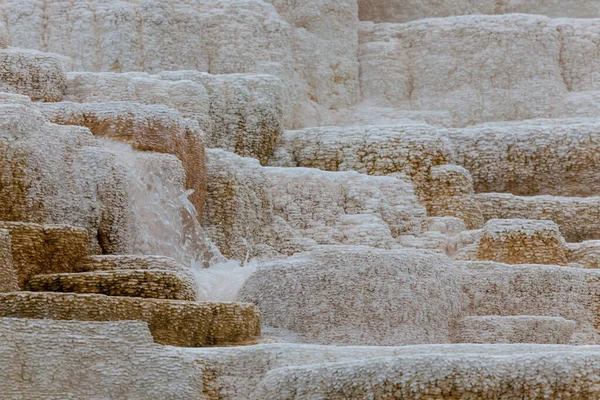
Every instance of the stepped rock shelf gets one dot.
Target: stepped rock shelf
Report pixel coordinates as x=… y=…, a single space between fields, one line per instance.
x=316 y=199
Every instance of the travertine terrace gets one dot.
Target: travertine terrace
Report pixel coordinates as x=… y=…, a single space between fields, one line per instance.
x=310 y=199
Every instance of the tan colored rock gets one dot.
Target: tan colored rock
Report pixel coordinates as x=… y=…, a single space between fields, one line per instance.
x=53 y=174
x=449 y=193
x=9 y=278
x=172 y=322
x=521 y=241
x=577 y=217
x=41 y=76
x=584 y=254
x=144 y=127
x=155 y=284
x=39 y=249
x=517 y=329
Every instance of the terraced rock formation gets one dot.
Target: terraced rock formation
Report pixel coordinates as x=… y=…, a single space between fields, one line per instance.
x=317 y=199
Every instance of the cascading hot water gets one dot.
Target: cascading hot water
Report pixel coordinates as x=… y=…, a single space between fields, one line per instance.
x=165 y=222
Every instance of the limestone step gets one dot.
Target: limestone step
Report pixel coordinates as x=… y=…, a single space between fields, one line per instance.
x=41 y=76
x=514 y=329
x=114 y=262
x=39 y=249
x=171 y=322
x=49 y=359
x=154 y=284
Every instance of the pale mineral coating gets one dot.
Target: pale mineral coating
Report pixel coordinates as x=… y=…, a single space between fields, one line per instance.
x=38 y=249
x=522 y=241
x=406 y=296
x=456 y=376
x=246 y=111
x=314 y=54
x=58 y=175
x=145 y=128
x=417 y=150
x=9 y=278
x=579 y=105
x=155 y=284
x=538 y=157
x=409 y=10
x=238 y=112
x=238 y=207
x=235 y=372
x=577 y=217
x=189 y=98
x=584 y=254
x=543 y=290
x=172 y=322
x=518 y=329
x=41 y=76
x=249 y=205
x=477 y=67
x=449 y=193
x=412 y=149
x=74 y=359
x=324 y=44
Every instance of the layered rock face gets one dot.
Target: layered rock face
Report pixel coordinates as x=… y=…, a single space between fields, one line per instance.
x=318 y=199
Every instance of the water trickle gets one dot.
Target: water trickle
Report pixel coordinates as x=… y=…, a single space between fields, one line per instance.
x=166 y=222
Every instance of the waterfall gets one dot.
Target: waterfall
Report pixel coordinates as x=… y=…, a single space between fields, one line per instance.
x=165 y=222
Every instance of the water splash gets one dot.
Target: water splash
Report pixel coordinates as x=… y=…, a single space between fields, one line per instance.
x=166 y=222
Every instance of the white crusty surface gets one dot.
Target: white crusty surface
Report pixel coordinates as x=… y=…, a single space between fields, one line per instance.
x=523 y=376
x=311 y=45
x=238 y=370
x=41 y=76
x=74 y=359
x=293 y=209
x=359 y=295
x=518 y=329
x=577 y=217
x=543 y=290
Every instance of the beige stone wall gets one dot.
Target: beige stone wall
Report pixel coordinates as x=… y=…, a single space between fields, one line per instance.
x=41 y=76
x=49 y=359
x=9 y=278
x=577 y=217
x=176 y=323
x=518 y=329
x=39 y=249
x=522 y=241
x=154 y=284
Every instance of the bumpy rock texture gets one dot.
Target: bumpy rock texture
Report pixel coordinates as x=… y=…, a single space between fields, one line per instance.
x=521 y=241
x=73 y=359
x=521 y=329
x=145 y=128
x=176 y=323
x=155 y=284
x=407 y=297
x=293 y=209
